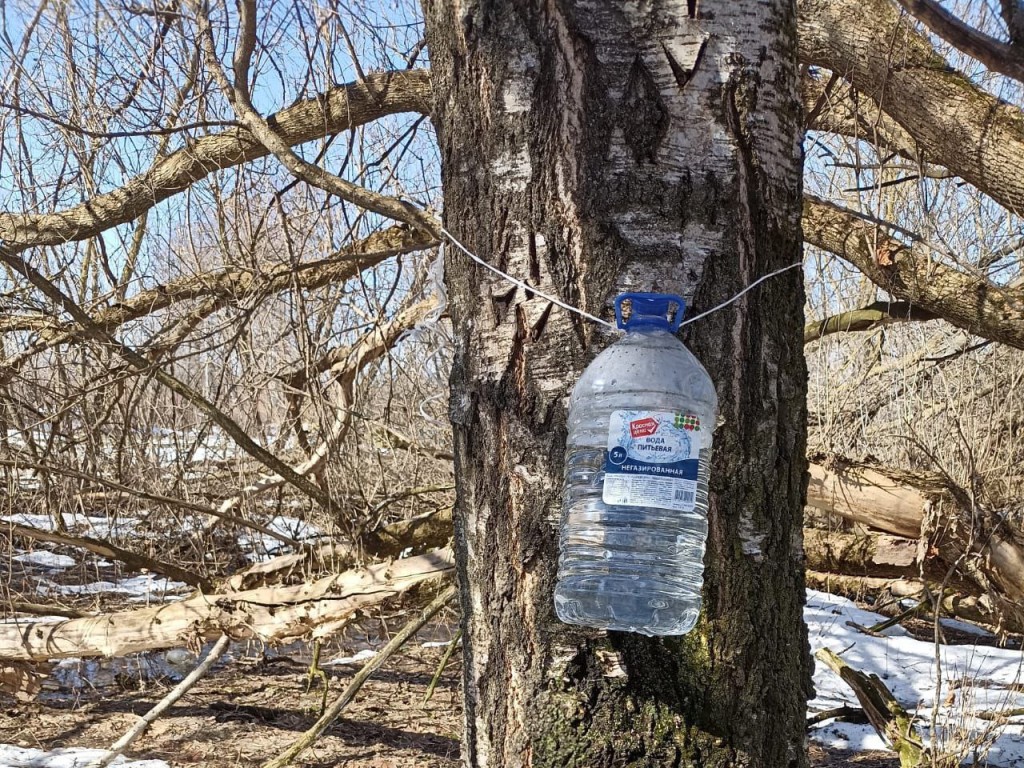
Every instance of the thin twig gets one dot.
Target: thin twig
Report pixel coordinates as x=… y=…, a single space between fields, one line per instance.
x=164 y=704
x=844 y=713
x=309 y=737
x=441 y=667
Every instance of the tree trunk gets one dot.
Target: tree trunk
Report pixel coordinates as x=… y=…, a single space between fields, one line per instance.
x=587 y=149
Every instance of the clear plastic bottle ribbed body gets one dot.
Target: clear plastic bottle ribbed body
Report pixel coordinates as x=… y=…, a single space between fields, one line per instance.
x=640 y=420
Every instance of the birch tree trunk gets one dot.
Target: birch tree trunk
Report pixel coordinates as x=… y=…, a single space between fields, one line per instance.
x=590 y=148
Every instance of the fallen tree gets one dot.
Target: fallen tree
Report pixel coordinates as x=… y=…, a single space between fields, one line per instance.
x=875 y=554
x=929 y=508
x=272 y=614
x=282 y=599
x=887 y=594
x=887 y=716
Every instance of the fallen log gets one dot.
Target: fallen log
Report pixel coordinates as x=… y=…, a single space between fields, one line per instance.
x=890 y=501
x=876 y=554
x=414 y=536
x=271 y=614
x=957 y=604
x=925 y=506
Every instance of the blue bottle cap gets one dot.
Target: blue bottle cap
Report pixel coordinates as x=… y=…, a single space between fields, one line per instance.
x=650 y=310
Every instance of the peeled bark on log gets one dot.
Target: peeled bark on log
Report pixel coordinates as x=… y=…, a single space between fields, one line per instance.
x=887 y=501
x=271 y=614
x=21 y=681
x=876 y=554
x=902 y=503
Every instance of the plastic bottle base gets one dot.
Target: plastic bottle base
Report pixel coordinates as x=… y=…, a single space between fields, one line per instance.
x=627 y=613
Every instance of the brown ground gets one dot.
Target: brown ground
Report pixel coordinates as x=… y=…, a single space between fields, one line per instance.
x=244 y=714
x=250 y=710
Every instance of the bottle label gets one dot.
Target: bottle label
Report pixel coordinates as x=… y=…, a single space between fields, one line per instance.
x=653 y=459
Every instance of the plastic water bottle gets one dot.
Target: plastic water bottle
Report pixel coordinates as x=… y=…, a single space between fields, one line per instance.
x=634 y=516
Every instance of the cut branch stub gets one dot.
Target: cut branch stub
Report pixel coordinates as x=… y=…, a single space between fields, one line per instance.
x=892 y=722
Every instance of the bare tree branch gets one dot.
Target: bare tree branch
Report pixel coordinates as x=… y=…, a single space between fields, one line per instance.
x=22 y=463
x=1013 y=15
x=238 y=96
x=833 y=105
x=345 y=364
x=105 y=549
x=1005 y=58
x=164 y=704
x=232 y=283
x=941 y=109
x=336 y=110
x=138 y=361
x=875 y=315
x=910 y=273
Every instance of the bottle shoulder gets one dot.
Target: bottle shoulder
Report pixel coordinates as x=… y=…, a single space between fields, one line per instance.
x=655 y=362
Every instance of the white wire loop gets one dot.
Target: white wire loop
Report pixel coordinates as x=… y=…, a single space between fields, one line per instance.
x=593 y=318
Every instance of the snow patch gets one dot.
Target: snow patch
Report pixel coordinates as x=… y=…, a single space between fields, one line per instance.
x=260 y=547
x=144 y=588
x=974 y=678
x=363 y=655
x=70 y=757
x=436 y=644
x=962 y=626
x=99 y=527
x=45 y=559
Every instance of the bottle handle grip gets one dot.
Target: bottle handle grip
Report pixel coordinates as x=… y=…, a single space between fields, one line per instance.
x=653 y=306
